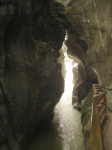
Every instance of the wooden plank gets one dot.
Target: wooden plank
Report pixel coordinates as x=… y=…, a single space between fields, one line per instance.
x=103 y=121
x=102 y=113
x=100 y=108
x=96 y=96
x=100 y=97
x=95 y=142
x=98 y=89
x=96 y=86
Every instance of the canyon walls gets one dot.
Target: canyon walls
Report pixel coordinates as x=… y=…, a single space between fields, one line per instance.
x=31 y=83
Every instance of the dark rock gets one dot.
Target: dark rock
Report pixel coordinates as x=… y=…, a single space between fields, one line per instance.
x=86 y=118
x=31 y=34
x=82 y=86
x=80 y=91
x=94 y=18
x=31 y=82
x=74 y=49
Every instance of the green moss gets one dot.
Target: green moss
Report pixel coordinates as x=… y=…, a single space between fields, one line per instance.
x=86 y=117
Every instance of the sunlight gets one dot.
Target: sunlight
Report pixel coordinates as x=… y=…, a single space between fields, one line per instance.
x=69 y=76
x=69 y=64
x=66 y=117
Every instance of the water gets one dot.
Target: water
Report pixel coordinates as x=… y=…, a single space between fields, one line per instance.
x=65 y=132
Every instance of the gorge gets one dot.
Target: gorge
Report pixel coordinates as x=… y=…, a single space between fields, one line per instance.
x=32 y=33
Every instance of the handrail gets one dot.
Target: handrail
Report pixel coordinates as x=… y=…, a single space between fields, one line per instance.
x=100 y=96
x=98 y=117
x=95 y=142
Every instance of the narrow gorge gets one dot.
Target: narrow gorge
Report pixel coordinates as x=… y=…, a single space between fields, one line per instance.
x=34 y=36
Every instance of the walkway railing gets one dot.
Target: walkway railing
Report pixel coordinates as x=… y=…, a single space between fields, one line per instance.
x=98 y=118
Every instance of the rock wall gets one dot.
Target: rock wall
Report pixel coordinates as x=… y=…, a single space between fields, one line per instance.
x=31 y=34
x=89 y=43
x=89 y=25
x=31 y=83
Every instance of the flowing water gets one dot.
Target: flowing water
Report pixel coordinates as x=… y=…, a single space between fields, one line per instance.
x=65 y=132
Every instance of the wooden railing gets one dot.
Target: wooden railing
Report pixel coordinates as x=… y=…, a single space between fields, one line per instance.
x=98 y=118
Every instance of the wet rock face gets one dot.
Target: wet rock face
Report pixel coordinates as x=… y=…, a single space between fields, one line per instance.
x=82 y=86
x=30 y=78
x=31 y=34
x=86 y=118
x=91 y=25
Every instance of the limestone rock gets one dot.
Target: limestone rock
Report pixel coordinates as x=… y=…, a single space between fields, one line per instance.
x=90 y=24
x=31 y=83
x=86 y=118
x=31 y=34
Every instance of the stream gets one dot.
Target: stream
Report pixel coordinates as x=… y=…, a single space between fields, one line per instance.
x=65 y=132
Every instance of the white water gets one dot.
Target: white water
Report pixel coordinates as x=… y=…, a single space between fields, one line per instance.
x=66 y=130
x=69 y=125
